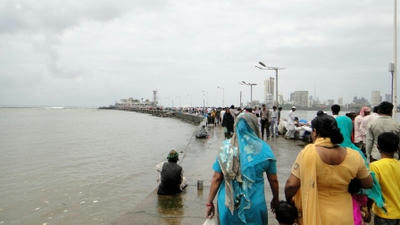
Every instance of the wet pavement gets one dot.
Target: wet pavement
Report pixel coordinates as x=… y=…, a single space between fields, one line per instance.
x=189 y=207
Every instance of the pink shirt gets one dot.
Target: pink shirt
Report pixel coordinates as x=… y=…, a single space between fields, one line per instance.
x=358 y=135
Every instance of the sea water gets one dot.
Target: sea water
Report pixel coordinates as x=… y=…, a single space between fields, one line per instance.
x=80 y=166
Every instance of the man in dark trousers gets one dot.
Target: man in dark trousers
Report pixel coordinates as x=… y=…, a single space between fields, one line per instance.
x=227 y=123
x=172 y=180
x=265 y=121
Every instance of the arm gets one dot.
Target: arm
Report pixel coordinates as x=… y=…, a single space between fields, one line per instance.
x=364 y=175
x=273 y=182
x=215 y=183
x=291 y=187
x=367 y=182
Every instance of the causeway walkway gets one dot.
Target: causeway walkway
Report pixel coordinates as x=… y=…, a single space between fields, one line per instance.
x=189 y=207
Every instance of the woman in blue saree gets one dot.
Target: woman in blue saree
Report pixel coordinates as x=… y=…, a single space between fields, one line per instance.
x=238 y=176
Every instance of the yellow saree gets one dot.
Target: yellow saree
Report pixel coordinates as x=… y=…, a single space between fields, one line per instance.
x=322 y=198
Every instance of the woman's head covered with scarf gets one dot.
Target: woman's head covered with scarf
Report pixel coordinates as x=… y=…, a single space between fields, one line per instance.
x=237 y=160
x=365 y=110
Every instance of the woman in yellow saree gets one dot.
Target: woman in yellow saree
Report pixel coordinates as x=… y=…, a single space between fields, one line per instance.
x=318 y=184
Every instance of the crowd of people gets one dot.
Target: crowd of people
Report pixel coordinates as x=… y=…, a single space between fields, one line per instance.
x=349 y=173
x=332 y=181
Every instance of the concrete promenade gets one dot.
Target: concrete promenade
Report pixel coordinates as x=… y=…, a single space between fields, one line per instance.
x=189 y=207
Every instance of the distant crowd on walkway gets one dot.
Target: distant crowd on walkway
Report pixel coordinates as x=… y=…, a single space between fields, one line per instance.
x=348 y=174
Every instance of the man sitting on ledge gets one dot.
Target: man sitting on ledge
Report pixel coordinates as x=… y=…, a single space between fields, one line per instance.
x=172 y=180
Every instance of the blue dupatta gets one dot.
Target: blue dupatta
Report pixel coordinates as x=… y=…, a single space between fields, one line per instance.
x=238 y=163
x=346 y=126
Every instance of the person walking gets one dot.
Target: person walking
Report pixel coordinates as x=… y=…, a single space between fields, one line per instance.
x=321 y=174
x=238 y=176
x=387 y=169
x=227 y=123
x=265 y=121
x=383 y=123
x=290 y=124
x=360 y=198
x=335 y=110
x=274 y=122
x=359 y=136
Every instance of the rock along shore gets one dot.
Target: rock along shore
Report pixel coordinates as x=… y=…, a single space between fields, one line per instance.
x=190 y=118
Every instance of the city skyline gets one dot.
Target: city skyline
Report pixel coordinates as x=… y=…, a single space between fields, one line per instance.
x=92 y=53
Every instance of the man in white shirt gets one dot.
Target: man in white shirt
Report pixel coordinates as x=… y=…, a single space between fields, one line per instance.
x=274 y=122
x=290 y=126
x=383 y=123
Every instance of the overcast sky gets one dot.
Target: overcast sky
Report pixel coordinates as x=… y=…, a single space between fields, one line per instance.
x=92 y=53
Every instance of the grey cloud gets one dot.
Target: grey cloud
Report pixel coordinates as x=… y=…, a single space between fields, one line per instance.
x=55 y=16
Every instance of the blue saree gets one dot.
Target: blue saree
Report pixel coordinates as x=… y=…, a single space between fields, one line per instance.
x=241 y=198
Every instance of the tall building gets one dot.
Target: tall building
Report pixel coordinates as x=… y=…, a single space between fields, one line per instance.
x=269 y=91
x=388 y=97
x=376 y=98
x=155 y=102
x=299 y=98
x=280 y=99
x=340 y=101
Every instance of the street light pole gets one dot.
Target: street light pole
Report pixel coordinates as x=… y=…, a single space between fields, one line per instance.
x=204 y=101
x=240 y=99
x=264 y=67
x=223 y=95
x=394 y=76
x=251 y=88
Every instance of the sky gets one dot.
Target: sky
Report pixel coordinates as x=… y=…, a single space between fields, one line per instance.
x=95 y=52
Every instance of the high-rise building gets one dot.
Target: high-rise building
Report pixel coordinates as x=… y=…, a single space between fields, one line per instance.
x=269 y=91
x=155 y=100
x=299 y=98
x=340 y=101
x=388 y=97
x=280 y=99
x=376 y=98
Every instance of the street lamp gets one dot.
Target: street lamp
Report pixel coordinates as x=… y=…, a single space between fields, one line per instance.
x=264 y=67
x=251 y=88
x=223 y=95
x=392 y=70
x=394 y=73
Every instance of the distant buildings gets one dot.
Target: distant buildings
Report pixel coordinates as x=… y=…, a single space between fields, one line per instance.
x=330 y=102
x=269 y=91
x=155 y=101
x=280 y=99
x=376 y=98
x=340 y=101
x=136 y=103
x=299 y=98
x=388 y=97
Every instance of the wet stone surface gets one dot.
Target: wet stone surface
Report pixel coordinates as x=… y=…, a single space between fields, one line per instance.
x=189 y=207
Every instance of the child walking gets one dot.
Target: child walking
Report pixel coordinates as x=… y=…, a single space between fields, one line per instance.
x=387 y=171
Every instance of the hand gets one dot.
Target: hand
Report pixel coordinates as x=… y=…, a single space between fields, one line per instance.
x=274 y=204
x=210 y=210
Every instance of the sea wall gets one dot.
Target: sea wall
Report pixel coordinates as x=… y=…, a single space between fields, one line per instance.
x=190 y=118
